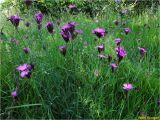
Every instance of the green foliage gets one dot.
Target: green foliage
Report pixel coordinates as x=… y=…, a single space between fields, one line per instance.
x=59 y=7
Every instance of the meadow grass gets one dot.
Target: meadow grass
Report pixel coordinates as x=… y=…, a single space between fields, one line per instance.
x=67 y=87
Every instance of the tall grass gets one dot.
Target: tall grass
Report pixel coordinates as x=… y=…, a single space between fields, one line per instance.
x=67 y=87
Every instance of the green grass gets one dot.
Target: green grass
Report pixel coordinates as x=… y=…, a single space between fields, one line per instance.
x=66 y=87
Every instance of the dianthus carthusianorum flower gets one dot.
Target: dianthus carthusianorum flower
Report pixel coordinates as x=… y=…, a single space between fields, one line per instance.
x=50 y=27
x=15 y=20
x=99 y=32
x=14 y=93
x=100 y=48
x=118 y=41
x=142 y=51
x=127 y=86
x=127 y=30
x=68 y=31
x=113 y=66
x=26 y=70
x=38 y=17
x=120 y=53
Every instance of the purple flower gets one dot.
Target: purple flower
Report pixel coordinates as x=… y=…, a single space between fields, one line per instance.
x=142 y=51
x=127 y=30
x=28 y=2
x=116 y=22
x=25 y=69
x=27 y=24
x=67 y=31
x=70 y=26
x=66 y=35
x=26 y=50
x=38 y=17
x=120 y=53
x=113 y=67
x=63 y=49
x=22 y=67
x=100 y=48
x=15 y=20
x=127 y=86
x=72 y=6
x=14 y=93
x=100 y=32
x=118 y=41
x=24 y=73
x=50 y=27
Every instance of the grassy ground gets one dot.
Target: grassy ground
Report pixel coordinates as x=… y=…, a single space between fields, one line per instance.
x=67 y=87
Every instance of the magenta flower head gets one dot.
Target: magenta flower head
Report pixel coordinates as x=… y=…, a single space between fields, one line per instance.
x=127 y=86
x=26 y=50
x=100 y=48
x=50 y=27
x=99 y=32
x=115 y=22
x=28 y=2
x=127 y=30
x=72 y=6
x=15 y=20
x=22 y=67
x=118 y=41
x=67 y=31
x=142 y=51
x=120 y=53
x=113 y=66
x=38 y=17
x=14 y=93
x=63 y=49
x=26 y=70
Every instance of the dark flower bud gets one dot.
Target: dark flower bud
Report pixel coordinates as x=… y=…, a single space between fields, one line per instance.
x=50 y=27
x=15 y=20
x=26 y=50
x=63 y=49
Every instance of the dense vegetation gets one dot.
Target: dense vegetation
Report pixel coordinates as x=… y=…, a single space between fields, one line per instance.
x=87 y=78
